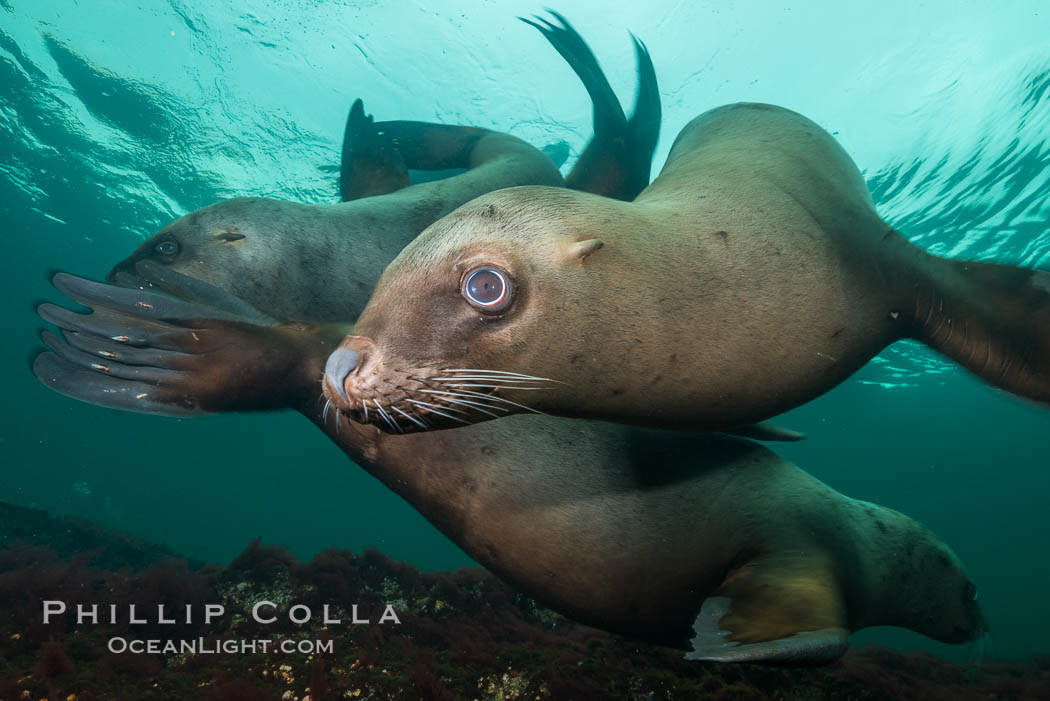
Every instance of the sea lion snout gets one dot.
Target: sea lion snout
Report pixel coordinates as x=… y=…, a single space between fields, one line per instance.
x=340 y=364
x=344 y=368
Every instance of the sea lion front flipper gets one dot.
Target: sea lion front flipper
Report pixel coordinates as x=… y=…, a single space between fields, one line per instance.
x=789 y=612
x=712 y=644
x=428 y=146
x=145 y=351
x=765 y=431
x=213 y=302
x=371 y=164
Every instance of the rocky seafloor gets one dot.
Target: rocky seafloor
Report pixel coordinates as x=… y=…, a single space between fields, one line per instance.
x=462 y=635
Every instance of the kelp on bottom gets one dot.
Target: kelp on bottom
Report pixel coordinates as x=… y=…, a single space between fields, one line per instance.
x=463 y=635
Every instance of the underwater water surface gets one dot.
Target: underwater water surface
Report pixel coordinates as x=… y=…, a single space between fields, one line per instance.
x=114 y=122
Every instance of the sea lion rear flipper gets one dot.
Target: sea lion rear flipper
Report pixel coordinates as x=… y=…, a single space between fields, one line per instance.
x=765 y=431
x=617 y=161
x=788 y=612
x=644 y=124
x=145 y=351
x=993 y=319
x=371 y=164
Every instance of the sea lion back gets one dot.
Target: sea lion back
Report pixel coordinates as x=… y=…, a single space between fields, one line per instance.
x=777 y=146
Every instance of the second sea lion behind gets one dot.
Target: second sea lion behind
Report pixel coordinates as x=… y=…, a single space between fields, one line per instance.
x=703 y=542
x=275 y=252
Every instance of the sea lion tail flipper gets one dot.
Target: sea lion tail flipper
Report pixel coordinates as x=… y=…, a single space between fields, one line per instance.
x=145 y=351
x=993 y=319
x=765 y=611
x=765 y=431
x=608 y=114
x=606 y=166
x=371 y=164
x=644 y=124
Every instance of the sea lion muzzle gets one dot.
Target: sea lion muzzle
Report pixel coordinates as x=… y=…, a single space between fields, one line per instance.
x=341 y=363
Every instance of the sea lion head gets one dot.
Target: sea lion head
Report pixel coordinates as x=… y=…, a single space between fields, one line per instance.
x=937 y=597
x=459 y=326
x=242 y=245
x=954 y=598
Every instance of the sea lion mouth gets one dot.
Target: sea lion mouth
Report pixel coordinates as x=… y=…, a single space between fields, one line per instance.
x=423 y=399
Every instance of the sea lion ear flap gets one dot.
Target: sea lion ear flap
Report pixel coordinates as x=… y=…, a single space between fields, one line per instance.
x=581 y=249
x=784 y=612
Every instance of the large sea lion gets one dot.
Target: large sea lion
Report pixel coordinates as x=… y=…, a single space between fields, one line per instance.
x=276 y=252
x=703 y=542
x=751 y=276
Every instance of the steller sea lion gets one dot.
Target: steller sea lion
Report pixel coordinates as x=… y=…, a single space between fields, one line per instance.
x=276 y=252
x=752 y=275
x=316 y=263
x=703 y=542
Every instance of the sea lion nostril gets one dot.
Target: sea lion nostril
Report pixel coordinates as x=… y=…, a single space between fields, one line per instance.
x=341 y=363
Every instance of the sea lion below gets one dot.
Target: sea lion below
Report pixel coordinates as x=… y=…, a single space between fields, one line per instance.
x=703 y=542
x=247 y=245
x=753 y=275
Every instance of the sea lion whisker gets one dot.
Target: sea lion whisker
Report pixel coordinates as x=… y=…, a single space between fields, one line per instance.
x=431 y=409
x=324 y=414
x=480 y=371
x=497 y=398
x=393 y=424
x=415 y=412
x=364 y=407
x=486 y=378
x=436 y=406
x=411 y=418
x=465 y=402
x=501 y=378
x=386 y=417
x=512 y=376
x=478 y=406
x=460 y=384
x=379 y=408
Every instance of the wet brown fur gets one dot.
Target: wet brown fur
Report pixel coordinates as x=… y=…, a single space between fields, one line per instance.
x=624 y=528
x=751 y=276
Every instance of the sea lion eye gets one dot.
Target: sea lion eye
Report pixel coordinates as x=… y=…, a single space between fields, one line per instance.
x=971 y=592
x=167 y=248
x=488 y=289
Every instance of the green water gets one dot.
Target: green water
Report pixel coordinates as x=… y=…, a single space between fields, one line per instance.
x=112 y=125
